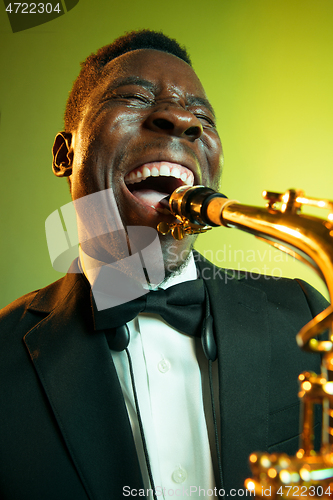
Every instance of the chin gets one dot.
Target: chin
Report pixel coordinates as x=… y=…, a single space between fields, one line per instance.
x=176 y=253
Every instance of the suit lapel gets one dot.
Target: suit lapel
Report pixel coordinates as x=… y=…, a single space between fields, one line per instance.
x=78 y=376
x=241 y=327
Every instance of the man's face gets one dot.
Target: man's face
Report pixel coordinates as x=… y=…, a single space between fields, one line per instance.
x=147 y=128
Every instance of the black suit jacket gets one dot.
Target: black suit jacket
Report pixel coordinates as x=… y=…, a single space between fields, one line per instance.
x=64 y=429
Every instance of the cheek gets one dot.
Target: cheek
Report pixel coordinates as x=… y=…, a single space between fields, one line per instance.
x=215 y=147
x=111 y=138
x=98 y=138
x=214 y=156
x=100 y=145
x=107 y=125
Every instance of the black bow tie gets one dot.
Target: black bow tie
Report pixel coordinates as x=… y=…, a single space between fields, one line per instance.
x=182 y=306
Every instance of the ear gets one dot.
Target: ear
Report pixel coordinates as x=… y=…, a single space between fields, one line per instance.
x=62 y=155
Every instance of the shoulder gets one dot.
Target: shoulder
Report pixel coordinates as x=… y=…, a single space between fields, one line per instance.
x=25 y=312
x=19 y=316
x=16 y=311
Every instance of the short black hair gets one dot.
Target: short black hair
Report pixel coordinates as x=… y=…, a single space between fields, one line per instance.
x=93 y=66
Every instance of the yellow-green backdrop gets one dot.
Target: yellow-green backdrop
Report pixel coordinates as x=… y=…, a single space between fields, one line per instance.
x=266 y=66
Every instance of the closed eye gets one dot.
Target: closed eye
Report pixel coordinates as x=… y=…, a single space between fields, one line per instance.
x=205 y=120
x=140 y=98
x=134 y=98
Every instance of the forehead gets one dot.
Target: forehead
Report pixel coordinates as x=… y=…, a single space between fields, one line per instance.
x=159 y=68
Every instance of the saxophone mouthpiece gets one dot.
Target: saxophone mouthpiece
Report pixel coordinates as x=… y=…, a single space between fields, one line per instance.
x=163 y=206
x=165 y=201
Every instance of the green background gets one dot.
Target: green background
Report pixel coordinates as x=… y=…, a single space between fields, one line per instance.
x=267 y=68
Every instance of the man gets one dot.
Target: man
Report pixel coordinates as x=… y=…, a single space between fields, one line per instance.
x=73 y=426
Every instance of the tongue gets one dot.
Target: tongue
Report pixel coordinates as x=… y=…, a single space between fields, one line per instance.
x=149 y=196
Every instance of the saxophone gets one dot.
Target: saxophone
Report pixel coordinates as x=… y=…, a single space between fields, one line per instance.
x=309 y=474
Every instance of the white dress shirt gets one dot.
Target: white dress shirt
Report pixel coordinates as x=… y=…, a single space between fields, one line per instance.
x=169 y=371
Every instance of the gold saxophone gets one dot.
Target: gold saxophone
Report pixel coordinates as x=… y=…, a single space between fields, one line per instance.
x=310 y=239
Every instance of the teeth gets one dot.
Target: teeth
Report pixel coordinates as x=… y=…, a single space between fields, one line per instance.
x=163 y=169
x=175 y=172
x=145 y=172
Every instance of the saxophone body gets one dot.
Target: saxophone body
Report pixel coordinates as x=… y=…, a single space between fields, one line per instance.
x=309 y=474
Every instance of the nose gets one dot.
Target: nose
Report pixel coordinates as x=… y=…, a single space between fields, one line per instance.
x=177 y=121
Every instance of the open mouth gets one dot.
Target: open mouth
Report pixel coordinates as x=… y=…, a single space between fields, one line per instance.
x=153 y=181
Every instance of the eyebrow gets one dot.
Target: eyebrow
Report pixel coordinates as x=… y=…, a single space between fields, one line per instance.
x=136 y=80
x=201 y=101
x=133 y=80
